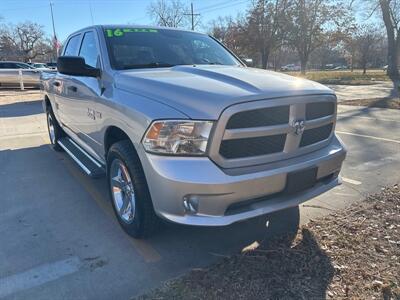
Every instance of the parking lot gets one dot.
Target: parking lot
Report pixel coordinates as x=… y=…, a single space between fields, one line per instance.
x=59 y=238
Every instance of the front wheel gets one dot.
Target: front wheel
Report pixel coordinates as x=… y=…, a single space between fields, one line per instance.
x=129 y=192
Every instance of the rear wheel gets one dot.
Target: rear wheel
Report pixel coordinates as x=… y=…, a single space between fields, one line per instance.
x=129 y=192
x=55 y=131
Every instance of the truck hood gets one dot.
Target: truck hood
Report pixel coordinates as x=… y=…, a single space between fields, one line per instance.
x=203 y=92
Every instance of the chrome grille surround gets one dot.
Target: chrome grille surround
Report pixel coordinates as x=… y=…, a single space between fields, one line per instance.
x=297 y=112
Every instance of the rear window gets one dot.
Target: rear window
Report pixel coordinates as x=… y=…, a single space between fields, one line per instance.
x=72 y=46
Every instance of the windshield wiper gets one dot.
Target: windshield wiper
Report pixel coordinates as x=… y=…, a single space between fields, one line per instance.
x=149 y=65
x=214 y=63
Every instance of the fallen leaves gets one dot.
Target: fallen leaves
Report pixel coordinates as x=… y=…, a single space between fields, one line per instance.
x=354 y=254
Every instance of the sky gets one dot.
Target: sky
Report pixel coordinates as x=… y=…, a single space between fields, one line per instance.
x=71 y=15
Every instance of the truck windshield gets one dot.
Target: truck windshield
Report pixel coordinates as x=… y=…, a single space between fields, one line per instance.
x=134 y=48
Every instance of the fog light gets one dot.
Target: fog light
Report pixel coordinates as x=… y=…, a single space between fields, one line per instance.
x=191 y=203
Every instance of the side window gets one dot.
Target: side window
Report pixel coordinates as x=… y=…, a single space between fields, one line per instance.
x=89 y=49
x=22 y=66
x=72 y=46
x=11 y=66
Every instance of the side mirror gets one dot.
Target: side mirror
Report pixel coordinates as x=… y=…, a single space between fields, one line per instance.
x=248 y=62
x=76 y=66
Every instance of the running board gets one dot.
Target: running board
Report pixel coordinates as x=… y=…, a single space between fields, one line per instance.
x=85 y=161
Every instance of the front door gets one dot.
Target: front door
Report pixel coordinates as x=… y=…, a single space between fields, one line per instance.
x=82 y=94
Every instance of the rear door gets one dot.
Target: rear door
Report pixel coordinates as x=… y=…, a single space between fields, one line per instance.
x=64 y=107
x=8 y=73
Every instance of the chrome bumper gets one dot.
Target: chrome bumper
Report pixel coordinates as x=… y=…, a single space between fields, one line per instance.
x=214 y=190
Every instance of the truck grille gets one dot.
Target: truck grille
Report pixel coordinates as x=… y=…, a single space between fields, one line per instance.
x=319 y=110
x=270 y=130
x=259 y=117
x=315 y=135
x=238 y=148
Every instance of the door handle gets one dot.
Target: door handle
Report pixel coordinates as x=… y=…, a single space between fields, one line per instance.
x=56 y=83
x=73 y=88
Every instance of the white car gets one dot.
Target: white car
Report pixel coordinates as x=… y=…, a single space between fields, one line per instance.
x=290 y=67
x=40 y=66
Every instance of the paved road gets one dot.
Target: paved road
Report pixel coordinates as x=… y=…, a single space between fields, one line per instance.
x=381 y=89
x=59 y=239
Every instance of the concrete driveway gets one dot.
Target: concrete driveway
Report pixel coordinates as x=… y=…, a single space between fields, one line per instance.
x=60 y=240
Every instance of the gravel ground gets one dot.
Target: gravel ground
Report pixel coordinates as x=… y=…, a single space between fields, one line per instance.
x=351 y=254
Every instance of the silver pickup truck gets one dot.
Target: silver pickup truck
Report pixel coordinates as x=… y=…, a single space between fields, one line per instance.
x=184 y=131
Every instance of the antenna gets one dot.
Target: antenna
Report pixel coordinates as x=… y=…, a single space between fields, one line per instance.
x=91 y=12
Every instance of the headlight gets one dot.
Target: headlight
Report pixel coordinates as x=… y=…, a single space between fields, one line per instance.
x=178 y=137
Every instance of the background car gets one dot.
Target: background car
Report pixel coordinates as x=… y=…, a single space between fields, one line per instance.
x=290 y=67
x=52 y=65
x=40 y=66
x=9 y=73
x=341 y=67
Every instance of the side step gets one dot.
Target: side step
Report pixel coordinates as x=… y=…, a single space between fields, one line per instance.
x=85 y=161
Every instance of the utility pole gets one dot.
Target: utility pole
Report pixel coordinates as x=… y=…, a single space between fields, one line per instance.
x=52 y=19
x=56 y=44
x=192 y=14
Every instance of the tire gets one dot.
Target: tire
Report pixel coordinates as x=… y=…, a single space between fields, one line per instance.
x=54 y=129
x=123 y=166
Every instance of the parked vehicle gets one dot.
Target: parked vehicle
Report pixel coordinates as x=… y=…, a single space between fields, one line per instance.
x=290 y=67
x=341 y=67
x=184 y=131
x=52 y=65
x=40 y=66
x=9 y=73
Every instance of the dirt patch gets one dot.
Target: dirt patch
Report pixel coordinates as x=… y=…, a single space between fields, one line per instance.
x=352 y=254
x=375 y=102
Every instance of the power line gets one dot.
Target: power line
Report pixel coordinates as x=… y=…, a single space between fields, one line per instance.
x=226 y=6
x=213 y=5
x=25 y=7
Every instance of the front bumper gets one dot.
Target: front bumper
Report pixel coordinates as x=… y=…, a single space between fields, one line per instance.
x=216 y=191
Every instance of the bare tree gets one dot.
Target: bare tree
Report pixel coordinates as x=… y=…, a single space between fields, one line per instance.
x=231 y=33
x=367 y=43
x=349 y=49
x=265 y=26
x=168 y=13
x=29 y=36
x=391 y=17
x=24 y=40
x=313 y=23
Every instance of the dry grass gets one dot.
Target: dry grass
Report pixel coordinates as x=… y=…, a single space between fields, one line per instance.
x=351 y=254
x=345 y=77
x=375 y=102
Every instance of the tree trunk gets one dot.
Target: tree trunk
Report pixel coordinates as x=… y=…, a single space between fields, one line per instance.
x=352 y=61
x=393 y=46
x=303 y=64
x=264 y=58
